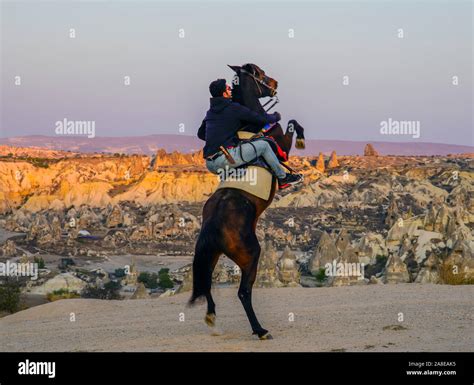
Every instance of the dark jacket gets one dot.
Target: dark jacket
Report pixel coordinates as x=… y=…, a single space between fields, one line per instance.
x=224 y=119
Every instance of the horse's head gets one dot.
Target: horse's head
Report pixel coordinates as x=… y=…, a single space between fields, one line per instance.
x=252 y=77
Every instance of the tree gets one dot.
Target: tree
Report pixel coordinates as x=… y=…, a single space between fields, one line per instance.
x=10 y=296
x=165 y=280
x=150 y=280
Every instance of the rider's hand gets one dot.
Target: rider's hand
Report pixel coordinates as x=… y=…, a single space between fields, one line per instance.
x=277 y=115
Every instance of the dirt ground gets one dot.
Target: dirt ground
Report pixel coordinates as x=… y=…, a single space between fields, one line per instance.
x=357 y=318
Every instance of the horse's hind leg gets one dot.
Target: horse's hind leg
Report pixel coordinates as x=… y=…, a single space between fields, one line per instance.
x=205 y=260
x=210 y=318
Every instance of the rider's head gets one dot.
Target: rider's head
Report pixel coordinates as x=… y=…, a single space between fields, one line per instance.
x=219 y=88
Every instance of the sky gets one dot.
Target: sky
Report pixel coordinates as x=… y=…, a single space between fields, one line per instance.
x=407 y=79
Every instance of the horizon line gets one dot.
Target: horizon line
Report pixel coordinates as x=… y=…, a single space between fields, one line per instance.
x=71 y=137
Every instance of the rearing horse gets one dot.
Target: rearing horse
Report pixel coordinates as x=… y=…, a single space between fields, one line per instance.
x=230 y=215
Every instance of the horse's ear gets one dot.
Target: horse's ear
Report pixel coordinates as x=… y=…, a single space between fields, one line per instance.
x=236 y=69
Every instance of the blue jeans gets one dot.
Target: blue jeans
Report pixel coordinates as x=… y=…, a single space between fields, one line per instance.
x=249 y=152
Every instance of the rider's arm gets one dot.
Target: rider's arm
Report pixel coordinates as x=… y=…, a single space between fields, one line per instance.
x=253 y=117
x=202 y=131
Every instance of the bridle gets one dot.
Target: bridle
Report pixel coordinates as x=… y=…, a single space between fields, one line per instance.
x=259 y=82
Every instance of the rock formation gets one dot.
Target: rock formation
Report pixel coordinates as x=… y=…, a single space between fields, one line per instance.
x=225 y=273
x=288 y=272
x=444 y=220
x=325 y=252
x=185 y=276
x=353 y=270
x=320 y=163
x=115 y=218
x=430 y=218
x=370 y=246
x=65 y=281
x=396 y=271
x=98 y=181
x=343 y=240
x=267 y=273
x=369 y=150
x=392 y=213
x=8 y=249
x=429 y=272
x=333 y=163
x=141 y=292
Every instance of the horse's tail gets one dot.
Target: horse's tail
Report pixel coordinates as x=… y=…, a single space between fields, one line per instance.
x=205 y=252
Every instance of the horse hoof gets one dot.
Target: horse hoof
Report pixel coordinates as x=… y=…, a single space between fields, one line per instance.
x=210 y=320
x=266 y=336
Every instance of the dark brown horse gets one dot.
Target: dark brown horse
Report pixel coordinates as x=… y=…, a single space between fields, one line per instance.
x=230 y=216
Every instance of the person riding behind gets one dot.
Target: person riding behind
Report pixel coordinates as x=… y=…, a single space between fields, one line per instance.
x=219 y=129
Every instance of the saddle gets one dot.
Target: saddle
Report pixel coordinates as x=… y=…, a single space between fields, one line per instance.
x=254 y=177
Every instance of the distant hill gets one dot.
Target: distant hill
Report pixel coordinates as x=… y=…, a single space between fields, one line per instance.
x=186 y=143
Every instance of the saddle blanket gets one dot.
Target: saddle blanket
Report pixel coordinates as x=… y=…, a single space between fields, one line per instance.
x=255 y=180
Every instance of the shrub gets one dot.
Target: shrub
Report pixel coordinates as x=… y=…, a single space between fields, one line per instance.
x=381 y=260
x=10 y=296
x=119 y=273
x=321 y=274
x=109 y=291
x=40 y=262
x=150 y=280
x=449 y=277
x=165 y=280
x=61 y=294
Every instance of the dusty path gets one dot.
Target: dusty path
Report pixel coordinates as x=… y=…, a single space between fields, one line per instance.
x=364 y=318
x=5 y=235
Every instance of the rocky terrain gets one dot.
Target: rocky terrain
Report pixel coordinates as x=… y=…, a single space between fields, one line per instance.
x=356 y=220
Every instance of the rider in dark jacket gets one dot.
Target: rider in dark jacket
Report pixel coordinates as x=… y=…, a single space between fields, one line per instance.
x=219 y=130
x=224 y=119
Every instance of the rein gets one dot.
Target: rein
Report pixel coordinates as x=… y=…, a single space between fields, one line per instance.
x=259 y=82
x=276 y=101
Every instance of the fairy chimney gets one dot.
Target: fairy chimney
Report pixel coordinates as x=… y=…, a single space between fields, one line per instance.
x=396 y=271
x=325 y=252
x=392 y=213
x=333 y=163
x=320 y=163
x=288 y=271
x=343 y=240
x=369 y=150
x=267 y=275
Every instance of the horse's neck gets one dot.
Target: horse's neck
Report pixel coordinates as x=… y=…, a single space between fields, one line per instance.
x=248 y=99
